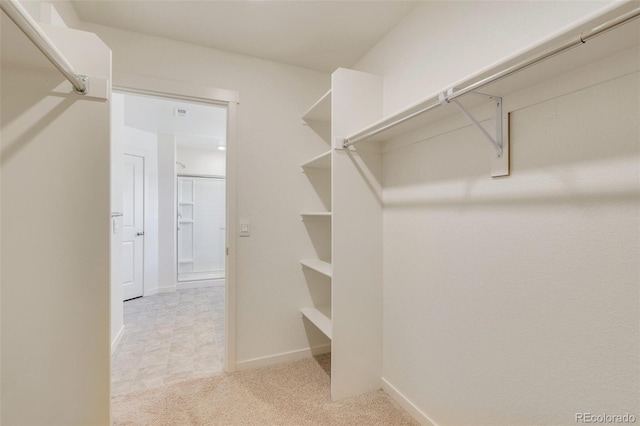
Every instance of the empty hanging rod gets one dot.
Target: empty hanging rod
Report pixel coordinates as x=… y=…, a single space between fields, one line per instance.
x=32 y=30
x=580 y=39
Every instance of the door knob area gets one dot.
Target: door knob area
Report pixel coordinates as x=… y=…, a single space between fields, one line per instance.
x=139 y=234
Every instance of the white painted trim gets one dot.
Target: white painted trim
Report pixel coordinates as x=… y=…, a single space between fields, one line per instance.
x=405 y=403
x=150 y=292
x=117 y=339
x=135 y=83
x=166 y=290
x=232 y=238
x=283 y=357
x=200 y=284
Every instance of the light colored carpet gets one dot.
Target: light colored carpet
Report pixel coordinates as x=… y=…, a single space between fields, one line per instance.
x=294 y=393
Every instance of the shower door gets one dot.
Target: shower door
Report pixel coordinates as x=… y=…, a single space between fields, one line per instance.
x=201 y=228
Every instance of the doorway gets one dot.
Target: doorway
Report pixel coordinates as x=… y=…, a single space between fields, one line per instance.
x=175 y=326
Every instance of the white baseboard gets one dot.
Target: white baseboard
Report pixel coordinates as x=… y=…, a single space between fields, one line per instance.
x=283 y=357
x=166 y=289
x=405 y=403
x=200 y=284
x=117 y=339
x=150 y=292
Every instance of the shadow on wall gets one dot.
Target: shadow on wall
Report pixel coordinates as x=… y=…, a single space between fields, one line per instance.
x=555 y=157
x=26 y=103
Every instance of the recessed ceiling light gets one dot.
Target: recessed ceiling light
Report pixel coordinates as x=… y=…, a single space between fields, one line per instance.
x=222 y=147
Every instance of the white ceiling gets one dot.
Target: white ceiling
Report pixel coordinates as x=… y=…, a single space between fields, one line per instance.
x=321 y=35
x=204 y=127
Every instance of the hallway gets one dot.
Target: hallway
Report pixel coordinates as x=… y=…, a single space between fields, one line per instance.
x=169 y=337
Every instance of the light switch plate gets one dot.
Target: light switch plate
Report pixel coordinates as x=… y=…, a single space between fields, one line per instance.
x=245 y=229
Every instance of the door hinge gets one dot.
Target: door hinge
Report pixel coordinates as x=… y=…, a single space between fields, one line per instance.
x=227 y=250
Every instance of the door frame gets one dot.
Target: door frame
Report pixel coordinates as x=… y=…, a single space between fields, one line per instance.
x=134 y=83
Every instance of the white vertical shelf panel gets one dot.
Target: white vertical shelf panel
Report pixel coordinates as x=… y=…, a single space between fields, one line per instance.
x=356 y=362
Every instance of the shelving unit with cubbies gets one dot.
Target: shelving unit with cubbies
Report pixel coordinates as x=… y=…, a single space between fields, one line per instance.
x=353 y=265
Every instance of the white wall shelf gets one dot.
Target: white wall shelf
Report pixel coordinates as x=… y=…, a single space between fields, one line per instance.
x=320 y=111
x=317 y=265
x=322 y=161
x=315 y=214
x=320 y=317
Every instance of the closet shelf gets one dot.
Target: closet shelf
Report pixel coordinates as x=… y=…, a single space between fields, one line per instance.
x=322 y=161
x=567 y=50
x=320 y=317
x=185 y=260
x=315 y=214
x=320 y=111
x=317 y=265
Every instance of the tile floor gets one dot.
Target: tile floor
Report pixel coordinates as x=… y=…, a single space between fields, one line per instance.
x=168 y=338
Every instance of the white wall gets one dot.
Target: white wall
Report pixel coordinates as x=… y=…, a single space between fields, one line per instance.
x=166 y=212
x=1 y=400
x=54 y=12
x=271 y=145
x=441 y=42
x=201 y=162
x=511 y=301
x=55 y=239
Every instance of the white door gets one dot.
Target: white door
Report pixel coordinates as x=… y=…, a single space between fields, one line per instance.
x=133 y=227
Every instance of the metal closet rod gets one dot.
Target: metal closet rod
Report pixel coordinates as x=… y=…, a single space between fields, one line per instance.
x=32 y=30
x=581 y=39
